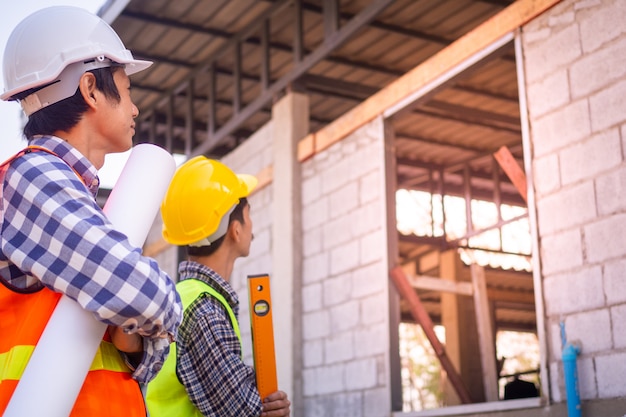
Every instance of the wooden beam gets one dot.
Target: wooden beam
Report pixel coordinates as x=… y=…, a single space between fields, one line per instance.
x=421 y=316
x=423 y=282
x=498 y=26
x=265 y=177
x=511 y=296
x=486 y=338
x=512 y=169
x=306 y=147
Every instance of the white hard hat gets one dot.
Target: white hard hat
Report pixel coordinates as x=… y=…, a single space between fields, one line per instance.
x=55 y=46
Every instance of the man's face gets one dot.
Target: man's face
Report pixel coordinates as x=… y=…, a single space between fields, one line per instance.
x=118 y=121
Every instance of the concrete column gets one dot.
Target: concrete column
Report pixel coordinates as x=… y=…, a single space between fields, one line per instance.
x=290 y=123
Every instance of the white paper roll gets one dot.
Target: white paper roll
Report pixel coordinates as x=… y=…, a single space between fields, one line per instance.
x=136 y=197
x=60 y=362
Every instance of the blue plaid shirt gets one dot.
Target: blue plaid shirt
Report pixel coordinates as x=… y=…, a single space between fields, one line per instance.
x=208 y=361
x=54 y=234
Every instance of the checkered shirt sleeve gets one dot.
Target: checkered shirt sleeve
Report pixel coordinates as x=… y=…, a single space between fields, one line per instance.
x=53 y=231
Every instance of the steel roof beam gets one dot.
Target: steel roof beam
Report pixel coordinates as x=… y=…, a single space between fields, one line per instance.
x=342 y=35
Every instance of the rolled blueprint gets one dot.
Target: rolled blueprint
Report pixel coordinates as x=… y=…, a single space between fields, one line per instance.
x=136 y=197
x=60 y=362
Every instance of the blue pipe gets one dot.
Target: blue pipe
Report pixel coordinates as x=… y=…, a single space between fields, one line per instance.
x=569 y=355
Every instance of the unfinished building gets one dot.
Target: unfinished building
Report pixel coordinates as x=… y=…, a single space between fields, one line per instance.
x=440 y=171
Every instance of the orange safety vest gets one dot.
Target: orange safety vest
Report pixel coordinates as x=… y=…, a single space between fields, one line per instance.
x=108 y=389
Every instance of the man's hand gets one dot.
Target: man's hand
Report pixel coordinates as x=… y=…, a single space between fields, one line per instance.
x=276 y=405
x=127 y=343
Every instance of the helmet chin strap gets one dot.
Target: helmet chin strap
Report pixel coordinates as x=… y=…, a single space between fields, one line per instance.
x=63 y=87
x=221 y=231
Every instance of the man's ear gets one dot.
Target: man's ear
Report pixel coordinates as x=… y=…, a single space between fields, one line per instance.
x=87 y=86
x=234 y=229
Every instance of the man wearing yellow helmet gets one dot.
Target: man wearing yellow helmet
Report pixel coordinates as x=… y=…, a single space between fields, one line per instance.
x=206 y=209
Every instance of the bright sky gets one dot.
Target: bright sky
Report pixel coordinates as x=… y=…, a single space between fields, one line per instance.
x=10 y=112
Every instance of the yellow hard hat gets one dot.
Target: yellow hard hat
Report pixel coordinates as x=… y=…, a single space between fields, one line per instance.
x=200 y=194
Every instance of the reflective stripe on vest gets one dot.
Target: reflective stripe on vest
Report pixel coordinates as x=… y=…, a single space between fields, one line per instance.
x=108 y=390
x=166 y=396
x=13 y=363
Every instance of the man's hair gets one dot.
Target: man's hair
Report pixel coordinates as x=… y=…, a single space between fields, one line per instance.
x=236 y=215
x=66 y=113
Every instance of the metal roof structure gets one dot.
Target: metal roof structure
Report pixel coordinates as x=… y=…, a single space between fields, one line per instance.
x=220 y=64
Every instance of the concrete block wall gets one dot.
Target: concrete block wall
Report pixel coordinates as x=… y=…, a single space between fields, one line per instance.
x=575 y=69
x=249 y=158
x=345 y=280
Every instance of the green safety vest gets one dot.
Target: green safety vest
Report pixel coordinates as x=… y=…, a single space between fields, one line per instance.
x=166 y=396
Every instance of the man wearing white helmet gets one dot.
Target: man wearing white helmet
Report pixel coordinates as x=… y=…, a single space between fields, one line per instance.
x=69 y=71
x=206 y=209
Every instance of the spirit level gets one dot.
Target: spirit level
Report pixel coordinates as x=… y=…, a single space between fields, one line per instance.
x=262 y=334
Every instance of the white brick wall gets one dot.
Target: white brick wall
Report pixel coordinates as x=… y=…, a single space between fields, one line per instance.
x=609 y=61
x=337 y=290
x=316 y=325
x=376 y=402
x=361 y=374
x=344 y=279
x=313 y=353
x=566 y=208
x=556 y=51
x=561 y=127
x=254 y=154
x=606 y=238
x=591 y=157
x=561 y=252
x=558 y=85
x=344 y=258
x=575 y=291
x=609 y=190
x=339 y=347
x=315 y=268
x=312 y=297
x=607 y=106
x=600 y=23
x=575 y=65
x=586 y=378
x=547 y=176
x=618 y=319
x=615 y=281
x=611 y=369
